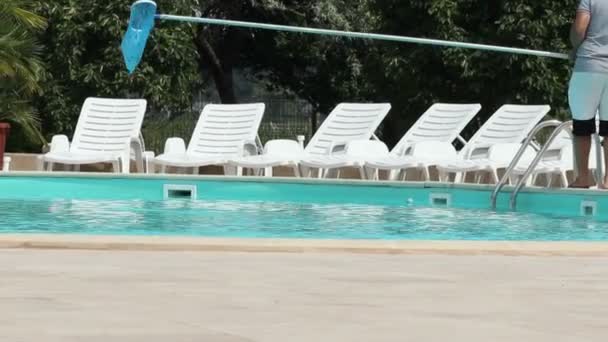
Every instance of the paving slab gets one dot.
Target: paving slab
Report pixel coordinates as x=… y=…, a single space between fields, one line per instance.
x=91 y=296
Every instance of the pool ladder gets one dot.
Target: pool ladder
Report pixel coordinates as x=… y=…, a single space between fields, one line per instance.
x=530 y=141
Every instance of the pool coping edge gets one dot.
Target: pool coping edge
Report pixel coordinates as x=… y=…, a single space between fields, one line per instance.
x=195 y=244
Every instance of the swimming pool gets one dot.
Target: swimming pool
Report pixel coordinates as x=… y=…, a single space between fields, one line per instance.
x=288 y=208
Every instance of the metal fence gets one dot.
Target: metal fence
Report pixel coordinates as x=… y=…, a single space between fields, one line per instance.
x=283 y=119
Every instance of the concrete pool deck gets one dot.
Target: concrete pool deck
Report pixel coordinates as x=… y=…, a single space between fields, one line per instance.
x=116 y=296
x=162 y=243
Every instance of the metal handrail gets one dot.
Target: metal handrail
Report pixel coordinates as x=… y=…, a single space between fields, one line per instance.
x=520 y=183
x=599 y=156
x=568 y=126
x=520 y=153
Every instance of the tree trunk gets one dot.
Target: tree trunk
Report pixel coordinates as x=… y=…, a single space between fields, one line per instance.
x=222 y=74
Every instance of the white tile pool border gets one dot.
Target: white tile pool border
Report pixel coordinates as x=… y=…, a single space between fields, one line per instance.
x=293 y=180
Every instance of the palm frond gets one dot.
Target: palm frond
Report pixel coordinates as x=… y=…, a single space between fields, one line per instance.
x=20 y=112
x=19 y=59
x=21 y=68
x=17 y=12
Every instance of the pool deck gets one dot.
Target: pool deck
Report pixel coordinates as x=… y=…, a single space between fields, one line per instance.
x=158 y=243
x=103 y=296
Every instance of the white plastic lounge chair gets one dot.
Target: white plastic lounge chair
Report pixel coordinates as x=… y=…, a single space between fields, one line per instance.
x=347 y=122
x=223 y=132
x=439 y=126
x=103 y=134
x=510 y=125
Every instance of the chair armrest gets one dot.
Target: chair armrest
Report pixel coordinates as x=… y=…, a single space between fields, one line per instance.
x=433 y=150
x=175 y=146
x=249 y=148
x=366 y=149
x=468 y=151
x=337 y=148
x=404 y=150
x=284 y=148
x=59 y=143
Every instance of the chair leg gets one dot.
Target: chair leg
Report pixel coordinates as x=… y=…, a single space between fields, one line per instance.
x=268 y=171
x=533 y=180
x=394 y=175
x=195 y=170
x=369 y=173
x=306 y=172
x=150 y=166
x=125 y=164
x=443 y=176
x=116 y=167
x=548 y=179
x=163 y=168
x=494 y=174
x=564 y=178
x=426 y=175
x=376 y=174
x=146 y=165
x=478 y=177
x=139 y=164
x=49 y=166
x=296 y=171
x=231 y=170
x=459 y=177
x=362 y=173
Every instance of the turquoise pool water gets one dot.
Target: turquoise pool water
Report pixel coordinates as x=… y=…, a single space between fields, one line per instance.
x=287 y=210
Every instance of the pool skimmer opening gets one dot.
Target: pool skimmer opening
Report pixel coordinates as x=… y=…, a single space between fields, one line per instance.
x=588 y=208
x=441 y=200
x=179 y=191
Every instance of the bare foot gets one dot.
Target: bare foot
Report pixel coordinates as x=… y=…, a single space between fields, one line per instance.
x=581 y=183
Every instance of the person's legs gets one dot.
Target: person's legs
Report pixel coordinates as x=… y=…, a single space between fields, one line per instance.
x=584 y=95
x=582 y=147
x=604 y=135
x=604 y=143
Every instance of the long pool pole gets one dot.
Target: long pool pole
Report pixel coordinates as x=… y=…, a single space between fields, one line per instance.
x=349 y=34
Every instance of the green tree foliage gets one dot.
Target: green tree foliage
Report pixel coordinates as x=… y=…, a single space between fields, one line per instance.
x=327 y=70
x=83 y=56
x=313 y=67
x=321 y=70
x=20 y=65
x=412 y=77
x=82 y=51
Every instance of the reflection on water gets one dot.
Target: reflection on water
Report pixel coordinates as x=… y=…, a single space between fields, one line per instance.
x=289 y=220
